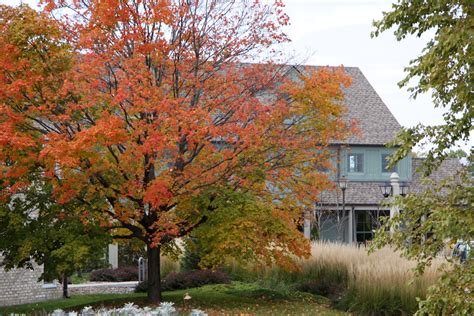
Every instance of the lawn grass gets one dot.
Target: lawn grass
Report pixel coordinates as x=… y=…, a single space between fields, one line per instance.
x=71 y=303
x=223 y=299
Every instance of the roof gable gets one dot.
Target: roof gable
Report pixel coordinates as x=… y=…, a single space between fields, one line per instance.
x=375 y=122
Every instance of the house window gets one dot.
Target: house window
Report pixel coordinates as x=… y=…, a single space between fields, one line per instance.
x=367 y=222
x=363 y=226
x=355 y=163
x=385 y=160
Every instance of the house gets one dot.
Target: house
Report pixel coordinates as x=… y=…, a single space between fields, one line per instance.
x=360 y=164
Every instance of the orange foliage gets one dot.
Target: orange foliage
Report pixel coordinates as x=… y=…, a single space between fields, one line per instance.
x=150 y=102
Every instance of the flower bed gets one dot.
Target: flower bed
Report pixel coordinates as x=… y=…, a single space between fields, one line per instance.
x=164 y=309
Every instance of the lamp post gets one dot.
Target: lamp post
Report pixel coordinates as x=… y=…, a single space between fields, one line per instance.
x=386 y=189
x=394 y=188
x=343 y=186
x=404 y=188
x=394 y=210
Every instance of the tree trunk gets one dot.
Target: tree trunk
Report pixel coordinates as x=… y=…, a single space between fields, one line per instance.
x=64 y=281
x=154 y=279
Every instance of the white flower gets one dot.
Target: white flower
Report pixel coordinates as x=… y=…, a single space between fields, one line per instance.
x=129 y=309
x=104 y=312
x=130 y=306
x=197 y=312
x=87 y=311
x=58 y=312
x=167 y=304
x=166 y=309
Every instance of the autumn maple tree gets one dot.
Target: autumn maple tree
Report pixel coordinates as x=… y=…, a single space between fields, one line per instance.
x=150 y=115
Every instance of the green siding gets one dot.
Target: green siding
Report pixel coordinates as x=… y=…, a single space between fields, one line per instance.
x=373 y=164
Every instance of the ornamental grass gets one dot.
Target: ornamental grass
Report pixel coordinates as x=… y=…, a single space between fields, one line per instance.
x=382 y=282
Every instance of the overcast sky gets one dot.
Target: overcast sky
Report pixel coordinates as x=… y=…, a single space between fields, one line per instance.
x=335 y=32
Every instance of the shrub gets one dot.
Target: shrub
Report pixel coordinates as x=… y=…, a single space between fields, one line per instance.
x=188 y=279
x=115 y=275
x=196 y=278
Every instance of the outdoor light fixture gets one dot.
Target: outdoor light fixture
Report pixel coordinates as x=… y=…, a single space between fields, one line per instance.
x=386 y=189
x=404 y=188
x=343 y=183
x=343 y=186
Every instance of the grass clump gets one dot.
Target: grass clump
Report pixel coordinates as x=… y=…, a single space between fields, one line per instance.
x=381 y=282
x=168 y=265
x=314 y=276
x=385 y=282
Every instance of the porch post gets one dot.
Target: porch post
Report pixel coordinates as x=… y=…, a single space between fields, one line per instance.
x=351 y=225
x=113 y=255
x=395 y=182
x=307 y=225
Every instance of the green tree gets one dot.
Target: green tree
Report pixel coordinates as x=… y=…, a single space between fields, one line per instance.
x=432 y=221
x=459 y=154
x=225 y=213
x=443 y=68
x=443 y=213
x=36 y=229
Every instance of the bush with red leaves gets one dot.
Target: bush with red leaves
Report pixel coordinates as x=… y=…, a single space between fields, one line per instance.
x=115 y=275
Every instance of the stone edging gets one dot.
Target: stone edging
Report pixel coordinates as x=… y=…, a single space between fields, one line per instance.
x=102 y=288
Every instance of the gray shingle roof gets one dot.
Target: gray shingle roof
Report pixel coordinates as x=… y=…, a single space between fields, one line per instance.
x=357 y=193
x=376 y=123
x=448 y=168
x=368 y=193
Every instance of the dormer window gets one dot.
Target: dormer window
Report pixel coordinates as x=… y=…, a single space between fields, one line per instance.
x=385 y=160
x=355 y=163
